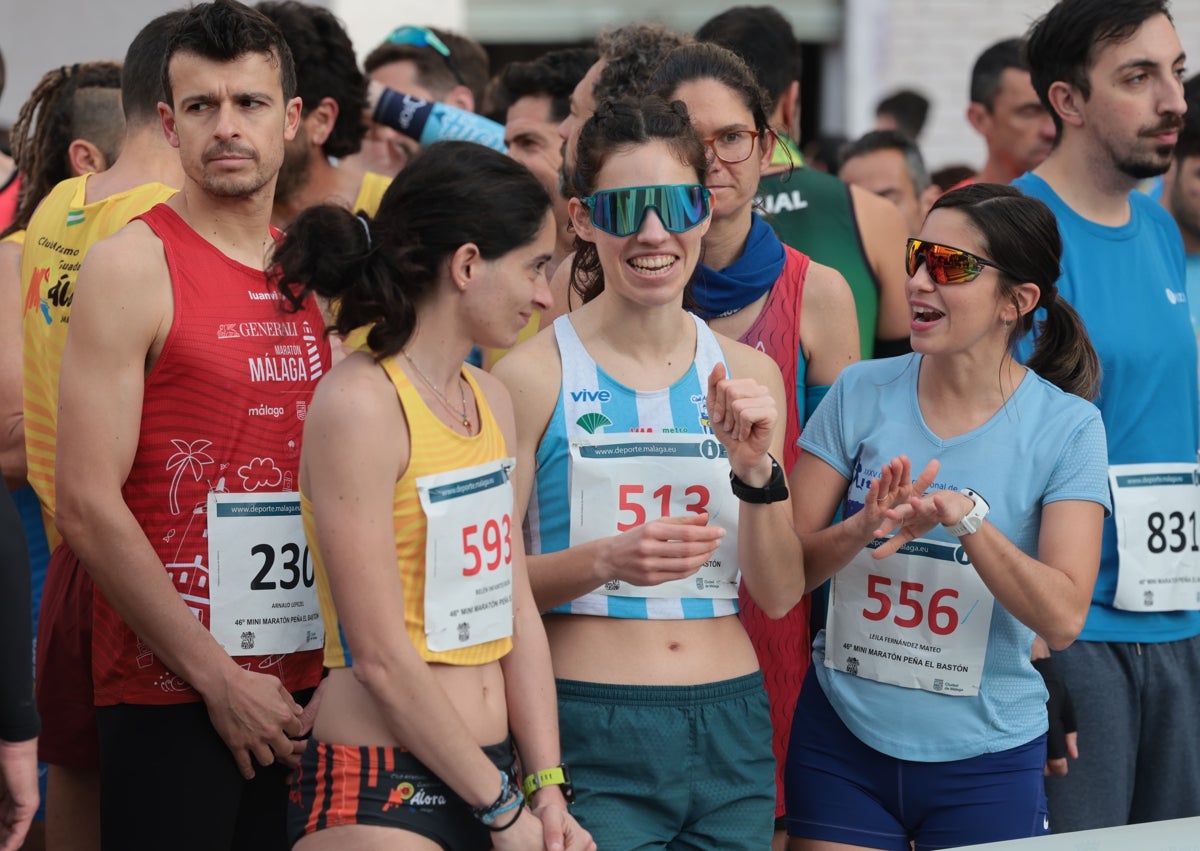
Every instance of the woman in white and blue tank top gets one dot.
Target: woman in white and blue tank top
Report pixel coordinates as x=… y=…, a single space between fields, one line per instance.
x=631 y=416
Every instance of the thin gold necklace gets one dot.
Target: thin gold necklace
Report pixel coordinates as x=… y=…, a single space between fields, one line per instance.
x=466 y=421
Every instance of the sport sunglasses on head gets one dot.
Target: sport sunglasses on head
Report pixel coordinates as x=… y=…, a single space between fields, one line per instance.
x=620 y=212
x=425 y=37
x=946 y=265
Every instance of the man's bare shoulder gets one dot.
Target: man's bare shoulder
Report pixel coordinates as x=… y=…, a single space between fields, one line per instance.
x=134 y=248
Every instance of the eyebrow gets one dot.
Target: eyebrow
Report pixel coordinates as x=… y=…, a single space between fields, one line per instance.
x=729 y=128
x=1148 y=64
x=209 y=97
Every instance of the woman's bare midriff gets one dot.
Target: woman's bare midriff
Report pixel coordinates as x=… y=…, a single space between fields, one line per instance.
x=649 y=652
x=349 y=714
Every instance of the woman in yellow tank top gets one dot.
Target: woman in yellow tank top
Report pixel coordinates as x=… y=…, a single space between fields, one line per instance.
x=435 y=647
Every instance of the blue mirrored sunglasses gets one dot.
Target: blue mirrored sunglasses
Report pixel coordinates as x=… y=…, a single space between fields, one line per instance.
x=425 y=37
x=620 y=212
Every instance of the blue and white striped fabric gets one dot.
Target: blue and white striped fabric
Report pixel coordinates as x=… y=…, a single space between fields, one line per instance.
x=592 y=402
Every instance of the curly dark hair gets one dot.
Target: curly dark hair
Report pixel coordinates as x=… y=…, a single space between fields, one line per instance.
x=325 y=68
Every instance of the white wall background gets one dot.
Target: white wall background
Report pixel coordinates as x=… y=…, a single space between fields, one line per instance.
x=930 y=46
x=876 y=46
x=39 y=35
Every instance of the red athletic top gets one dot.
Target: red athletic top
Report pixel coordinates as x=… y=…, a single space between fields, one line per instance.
x=223 y=410
x=776 y=331
x=783 y=646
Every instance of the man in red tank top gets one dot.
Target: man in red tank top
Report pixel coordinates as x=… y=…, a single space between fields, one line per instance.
x=184 y=386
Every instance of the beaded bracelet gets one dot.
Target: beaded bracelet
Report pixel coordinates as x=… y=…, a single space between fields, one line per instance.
x=502 y=804
x=497 y=807
x=520 y=806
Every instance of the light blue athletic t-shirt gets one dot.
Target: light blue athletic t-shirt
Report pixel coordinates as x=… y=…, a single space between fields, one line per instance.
x=1128 y=284
x=1193 y=290
x=1043 y=446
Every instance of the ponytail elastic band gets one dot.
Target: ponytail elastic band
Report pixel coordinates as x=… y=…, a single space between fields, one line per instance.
x=366 y=226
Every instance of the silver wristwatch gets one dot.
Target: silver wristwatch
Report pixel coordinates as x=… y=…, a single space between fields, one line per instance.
x=973 y=519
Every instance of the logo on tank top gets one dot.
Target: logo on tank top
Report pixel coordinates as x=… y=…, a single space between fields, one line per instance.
x=1176 y=297
x=234 y=330
x=593 y=421
x=701 y=403
x=269 y=368
x=75 y=217
x=586 y=395
x=33 y=297
x=781 y=202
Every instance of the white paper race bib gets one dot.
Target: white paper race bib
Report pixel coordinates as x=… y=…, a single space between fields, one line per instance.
x=468 y=555
x=917 y=619
x=1156 y=508
x=622 y=481
x=262 y=593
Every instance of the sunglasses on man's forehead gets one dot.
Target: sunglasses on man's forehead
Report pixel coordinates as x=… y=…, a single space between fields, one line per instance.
x=945 y=264
x=425 y=37
x=620 y=212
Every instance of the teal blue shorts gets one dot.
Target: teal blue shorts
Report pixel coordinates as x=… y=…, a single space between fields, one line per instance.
x=678 y=766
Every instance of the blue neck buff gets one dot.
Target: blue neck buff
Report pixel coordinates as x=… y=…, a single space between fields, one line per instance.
x=721 y=293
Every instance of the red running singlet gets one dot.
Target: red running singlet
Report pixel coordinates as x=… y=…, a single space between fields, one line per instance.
x=223 y=410
x=783 y=646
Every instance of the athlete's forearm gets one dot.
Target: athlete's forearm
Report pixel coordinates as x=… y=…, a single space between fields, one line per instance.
x=529 y=685
x=771 y=557
x=563 y=576
x=106 y=537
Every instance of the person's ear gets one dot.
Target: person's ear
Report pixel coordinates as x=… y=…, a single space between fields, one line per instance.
x=464 y=264
x=85 y=157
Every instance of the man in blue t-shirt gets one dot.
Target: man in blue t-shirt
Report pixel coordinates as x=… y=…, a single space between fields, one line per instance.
x=1110 y=73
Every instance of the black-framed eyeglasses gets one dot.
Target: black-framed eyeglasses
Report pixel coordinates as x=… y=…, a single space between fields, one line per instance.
x=425 y=37
x=732 y=146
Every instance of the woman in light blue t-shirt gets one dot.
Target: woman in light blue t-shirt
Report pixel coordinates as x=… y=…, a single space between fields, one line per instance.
x=923 y=720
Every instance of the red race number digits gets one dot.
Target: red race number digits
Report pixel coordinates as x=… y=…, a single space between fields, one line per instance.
x=633 y=501
x=942 y=616
x=491 y=546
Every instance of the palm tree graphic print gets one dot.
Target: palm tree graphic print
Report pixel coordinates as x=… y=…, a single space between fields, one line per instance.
x=189 y=457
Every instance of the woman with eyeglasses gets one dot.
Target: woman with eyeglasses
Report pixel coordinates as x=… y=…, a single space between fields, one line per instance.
x=643 y=441
x=765 y=294
x=437 y=659
x=922 y=719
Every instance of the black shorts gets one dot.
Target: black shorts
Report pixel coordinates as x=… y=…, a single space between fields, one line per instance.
x=337 y=785
x=167 y=780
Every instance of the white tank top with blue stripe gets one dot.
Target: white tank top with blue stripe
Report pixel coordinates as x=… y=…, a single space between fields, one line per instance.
x=592 y=403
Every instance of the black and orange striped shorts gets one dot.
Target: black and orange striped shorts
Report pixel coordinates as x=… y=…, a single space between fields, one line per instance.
x=337 y=785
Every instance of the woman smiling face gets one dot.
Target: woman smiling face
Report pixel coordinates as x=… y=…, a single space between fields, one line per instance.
x=653 y=265
x=950 y=318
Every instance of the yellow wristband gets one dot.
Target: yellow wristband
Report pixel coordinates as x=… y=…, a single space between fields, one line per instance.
x=557 y=776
